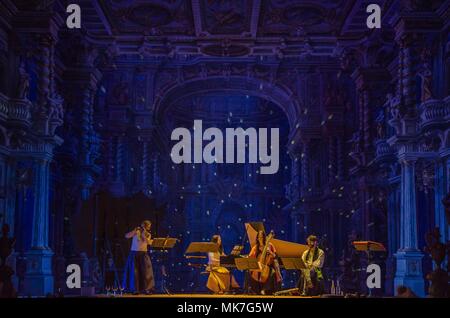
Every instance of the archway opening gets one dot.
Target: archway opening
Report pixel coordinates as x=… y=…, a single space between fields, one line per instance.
x=200 y=189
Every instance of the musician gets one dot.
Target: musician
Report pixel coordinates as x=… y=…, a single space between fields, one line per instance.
x=311 y=278
x=220 y=280
x=138 y=276
x=273 y=283
x=350 y=263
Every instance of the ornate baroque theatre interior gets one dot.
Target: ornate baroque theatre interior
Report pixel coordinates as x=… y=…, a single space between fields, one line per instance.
x=86 y=117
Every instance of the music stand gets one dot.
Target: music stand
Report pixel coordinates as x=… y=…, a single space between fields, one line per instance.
x=368 y=247
x=202 y=247
x=247 y=264
x=163 y=244
x=293 y=263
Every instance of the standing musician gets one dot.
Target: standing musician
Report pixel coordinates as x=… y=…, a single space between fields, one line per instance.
x=258 y=282
x=220 y=278
x=311 y=278
x=138 y=276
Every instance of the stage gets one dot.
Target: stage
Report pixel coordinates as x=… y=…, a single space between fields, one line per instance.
x=178 y=296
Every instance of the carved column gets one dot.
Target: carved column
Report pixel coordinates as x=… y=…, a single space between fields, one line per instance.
x=82 y=85
x=305 y=167
x=44 y=65
x=145 y=165
x=10 y=194
x=409 y=257
x=41 y=120
x=85 y=142
x=406 y=75
x=340 y=159
x=405 y=112
x=393 y=214
x=440 y=191
x=293 y=195
x=155 y=175
x=370 y=82
x=332 y=162
x=39 y=277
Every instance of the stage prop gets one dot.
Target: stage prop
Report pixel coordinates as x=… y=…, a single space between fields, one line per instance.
x=161 y=246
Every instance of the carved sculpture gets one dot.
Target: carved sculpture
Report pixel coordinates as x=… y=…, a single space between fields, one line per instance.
x=427 y=76
x=55 y=112
x=6 y=272
x=380 y=131
x=24 y=83
x=438 y=278
x=393 y=106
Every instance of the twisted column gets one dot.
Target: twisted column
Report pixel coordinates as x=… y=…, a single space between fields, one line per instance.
x=44 y=69
x=406 y=79
x=340 y=159
x=332 y=168
x=85 y=125
x=119 y=159
x=305 y=166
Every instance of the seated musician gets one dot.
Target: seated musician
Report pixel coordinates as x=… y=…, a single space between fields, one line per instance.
x=257 y=284
x=220 y=280
x=311 y=279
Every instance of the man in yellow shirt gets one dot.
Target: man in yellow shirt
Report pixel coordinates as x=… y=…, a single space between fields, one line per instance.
x=311 y=280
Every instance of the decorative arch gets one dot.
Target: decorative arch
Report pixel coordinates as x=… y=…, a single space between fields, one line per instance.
x=281 y=97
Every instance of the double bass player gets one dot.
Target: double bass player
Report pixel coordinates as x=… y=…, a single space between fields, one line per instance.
x=268 y=279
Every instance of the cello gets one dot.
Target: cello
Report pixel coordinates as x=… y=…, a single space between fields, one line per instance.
x=265 y=262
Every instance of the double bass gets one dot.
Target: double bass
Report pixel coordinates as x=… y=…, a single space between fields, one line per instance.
x=265 y=263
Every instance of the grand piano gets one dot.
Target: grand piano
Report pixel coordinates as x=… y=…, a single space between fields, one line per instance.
x=285 y=249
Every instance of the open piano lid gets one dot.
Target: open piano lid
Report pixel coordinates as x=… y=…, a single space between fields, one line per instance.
x=283 y=248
